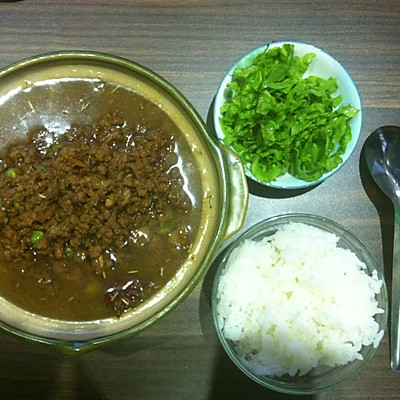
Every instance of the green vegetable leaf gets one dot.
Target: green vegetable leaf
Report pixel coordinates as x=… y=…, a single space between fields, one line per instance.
x=279 y=122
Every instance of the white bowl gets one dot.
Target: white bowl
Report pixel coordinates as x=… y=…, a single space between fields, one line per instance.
x=324 y=66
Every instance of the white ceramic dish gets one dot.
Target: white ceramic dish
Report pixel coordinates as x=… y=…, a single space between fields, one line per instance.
x=323 y=65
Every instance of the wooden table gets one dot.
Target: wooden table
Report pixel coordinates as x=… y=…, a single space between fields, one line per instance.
x=192 y=44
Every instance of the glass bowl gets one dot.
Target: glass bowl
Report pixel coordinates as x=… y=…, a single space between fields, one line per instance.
x=324 y=66
x=322 y=376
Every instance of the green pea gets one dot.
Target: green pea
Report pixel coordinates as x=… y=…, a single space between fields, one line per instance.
x=164 y=230
x=36 y=236
x=55 y=147
x=68 y=252
x=43 y=168
x=11 y=173
x=94 y=288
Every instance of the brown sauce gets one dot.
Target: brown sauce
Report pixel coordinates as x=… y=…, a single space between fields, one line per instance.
x=96 y=219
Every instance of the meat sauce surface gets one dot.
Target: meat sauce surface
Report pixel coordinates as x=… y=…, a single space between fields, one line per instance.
x=94 y=220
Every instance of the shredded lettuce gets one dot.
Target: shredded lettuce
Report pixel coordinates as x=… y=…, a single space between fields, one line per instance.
x=279 y=122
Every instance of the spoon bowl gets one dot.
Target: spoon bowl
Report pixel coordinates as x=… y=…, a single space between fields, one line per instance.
x=382 y=154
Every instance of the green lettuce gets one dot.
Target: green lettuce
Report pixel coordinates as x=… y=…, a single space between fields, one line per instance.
x=279 y=122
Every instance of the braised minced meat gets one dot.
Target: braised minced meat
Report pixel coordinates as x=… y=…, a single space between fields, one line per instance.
x=82 y=194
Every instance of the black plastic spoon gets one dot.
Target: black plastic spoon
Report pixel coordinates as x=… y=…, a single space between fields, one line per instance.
x=382 y=153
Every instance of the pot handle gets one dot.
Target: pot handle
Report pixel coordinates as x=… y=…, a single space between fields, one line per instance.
x=237 y=193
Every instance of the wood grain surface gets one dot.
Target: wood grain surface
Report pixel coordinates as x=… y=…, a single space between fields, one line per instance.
x=192 y=44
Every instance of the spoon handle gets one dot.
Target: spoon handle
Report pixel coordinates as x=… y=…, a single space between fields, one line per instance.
x=395 y=311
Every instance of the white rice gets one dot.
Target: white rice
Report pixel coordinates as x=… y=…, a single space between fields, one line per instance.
x=295 y=301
